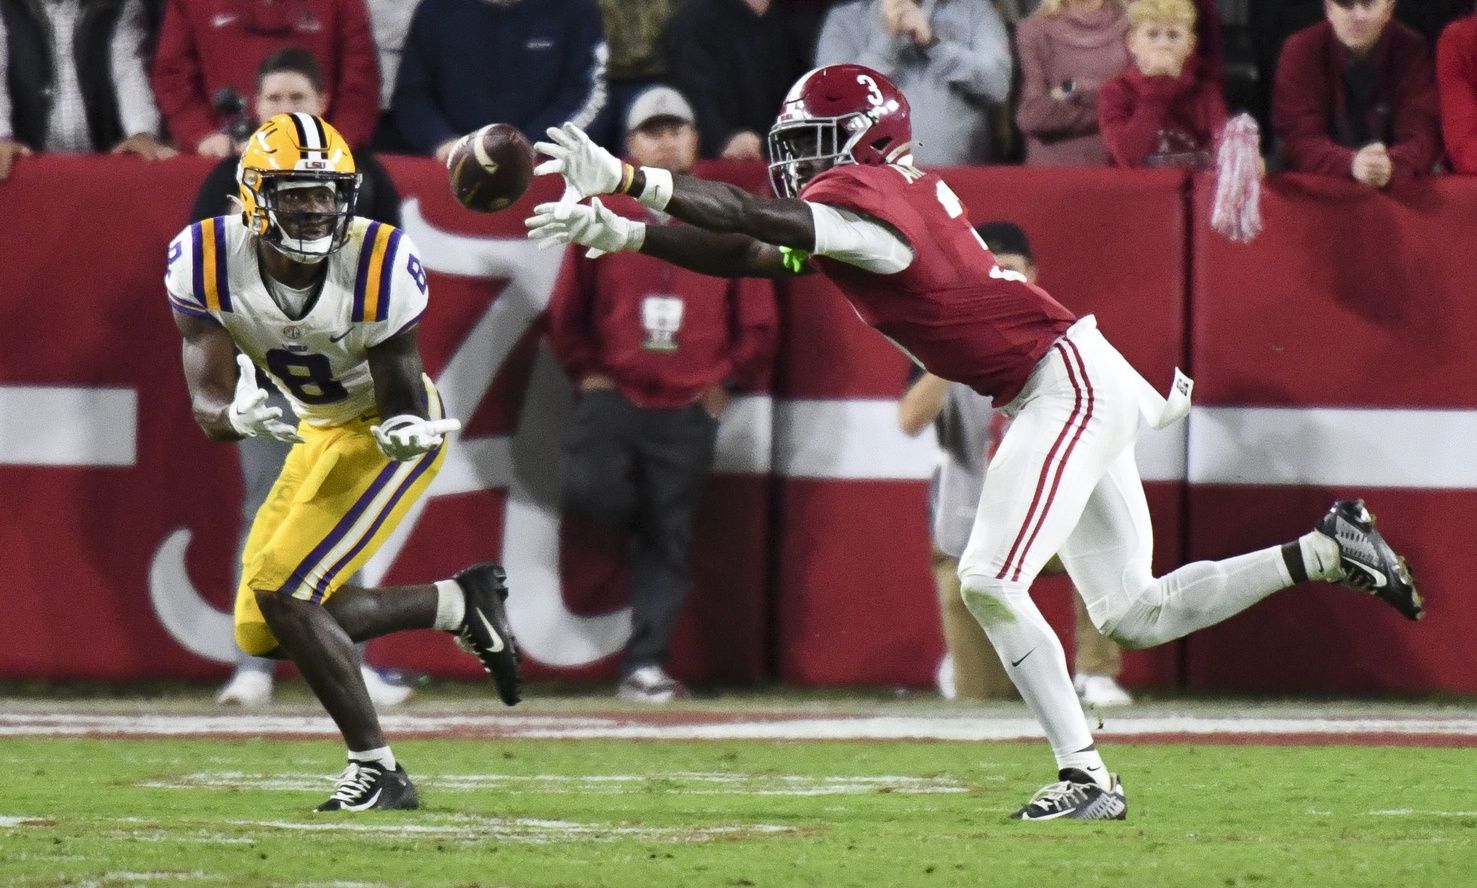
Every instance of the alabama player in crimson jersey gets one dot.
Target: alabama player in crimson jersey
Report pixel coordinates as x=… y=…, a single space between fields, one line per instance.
x=898 y=244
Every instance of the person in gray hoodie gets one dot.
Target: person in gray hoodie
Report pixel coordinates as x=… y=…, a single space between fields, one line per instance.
x=951 y=57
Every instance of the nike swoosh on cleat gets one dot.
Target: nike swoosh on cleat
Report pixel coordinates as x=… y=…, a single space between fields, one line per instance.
x=1022 y=659
x=497 y=640
x=1375 y=576
x=367 y=805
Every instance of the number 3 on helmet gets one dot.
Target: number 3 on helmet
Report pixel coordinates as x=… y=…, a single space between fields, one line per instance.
x=295 y=151
x=836 y=115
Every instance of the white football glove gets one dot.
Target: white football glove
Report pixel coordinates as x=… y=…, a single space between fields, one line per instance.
x=588 y=169
x=406 y=437
x=248 y=413
x=593 y=226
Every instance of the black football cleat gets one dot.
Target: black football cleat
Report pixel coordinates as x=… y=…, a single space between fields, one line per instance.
x=484 y=630
x=1367 y=561
x=366 y=785
x=1076 y=797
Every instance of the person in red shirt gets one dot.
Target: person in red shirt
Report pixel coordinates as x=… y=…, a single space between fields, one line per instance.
x=898 y=244
x=1161 y=111
x=1356 y=96
x=209 y=51
x=1456 y=80
x=653 y=350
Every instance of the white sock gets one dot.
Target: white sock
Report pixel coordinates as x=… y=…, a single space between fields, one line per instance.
x=451 y=606
x=1089 y=762
x=1320 y=556
x=1199 y=595
x=381 y=756
x=1033 y=658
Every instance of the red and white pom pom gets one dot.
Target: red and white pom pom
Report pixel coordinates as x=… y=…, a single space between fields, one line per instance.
x=1237 y=209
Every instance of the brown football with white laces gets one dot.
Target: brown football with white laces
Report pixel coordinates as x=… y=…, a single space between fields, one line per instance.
x=490 y=168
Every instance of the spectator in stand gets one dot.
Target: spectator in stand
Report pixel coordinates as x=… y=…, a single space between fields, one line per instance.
x=1356 y=97
x=390 y=22
x=289 y=80
x=208 y=50
x=1160 y=111
x=633 y=30
x=654 y=351
x=968 y=429
x=1456 y=79
x=736 y=59
x=1067 y=50
x=951 y=58
x=92 y=97
x=531 y=63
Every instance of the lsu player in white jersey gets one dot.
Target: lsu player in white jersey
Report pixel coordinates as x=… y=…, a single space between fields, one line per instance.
x=326 y=304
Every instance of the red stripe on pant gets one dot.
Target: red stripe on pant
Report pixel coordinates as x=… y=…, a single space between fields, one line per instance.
x=1043 y=479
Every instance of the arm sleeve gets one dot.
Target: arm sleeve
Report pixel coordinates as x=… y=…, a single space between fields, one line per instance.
x=356 y=93
x=408 y=292
x=980 y=65
x=850 y=237
x=1458 y=87
x=852 y=33
x=1036 y=111
x=571 y=314
x=1300 y=103
x=1417 y=125
x=136 y=109
x=1129 y=123
x=755 y=322
x=582 y=89
x=417 y=114
x=178 y=82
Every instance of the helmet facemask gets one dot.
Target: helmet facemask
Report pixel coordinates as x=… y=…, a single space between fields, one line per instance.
x=284 y=228
x=800 y=150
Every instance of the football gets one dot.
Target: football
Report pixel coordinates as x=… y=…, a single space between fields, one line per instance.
x=490 y=168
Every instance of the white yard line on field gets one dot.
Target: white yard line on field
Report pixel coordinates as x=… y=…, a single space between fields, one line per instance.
x=700 y=726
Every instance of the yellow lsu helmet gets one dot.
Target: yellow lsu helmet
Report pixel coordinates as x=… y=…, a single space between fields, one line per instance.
x=297 y=150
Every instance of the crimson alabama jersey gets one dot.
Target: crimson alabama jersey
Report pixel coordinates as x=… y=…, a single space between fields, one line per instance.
x=953 y=309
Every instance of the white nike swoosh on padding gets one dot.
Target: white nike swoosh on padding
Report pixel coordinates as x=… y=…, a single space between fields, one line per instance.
x=1378 y=576
x=497 y=640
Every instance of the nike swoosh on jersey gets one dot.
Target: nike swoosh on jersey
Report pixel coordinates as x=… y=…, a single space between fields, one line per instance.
x=341 y=335
x=1023 y=659
x=497 y=640
x=1375 y=575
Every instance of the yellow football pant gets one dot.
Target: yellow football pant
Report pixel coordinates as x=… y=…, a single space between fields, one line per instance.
x=335 y=503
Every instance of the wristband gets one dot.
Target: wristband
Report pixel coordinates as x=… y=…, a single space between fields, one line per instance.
x=628 y=178
x=657 y=190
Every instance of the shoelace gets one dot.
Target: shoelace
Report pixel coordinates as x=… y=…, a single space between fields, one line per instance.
x=354 y=782
x=1058 y=795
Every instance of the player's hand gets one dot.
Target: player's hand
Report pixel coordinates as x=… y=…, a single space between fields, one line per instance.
x=406 y=437
x=592 y=226
x=587 y=168
x=249 y=414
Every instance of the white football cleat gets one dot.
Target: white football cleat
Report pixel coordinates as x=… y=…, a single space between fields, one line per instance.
x=1100 y=690
x=248 y=687
x=384 y=693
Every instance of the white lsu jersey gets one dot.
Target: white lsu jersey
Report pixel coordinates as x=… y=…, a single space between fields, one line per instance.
x=375 y=287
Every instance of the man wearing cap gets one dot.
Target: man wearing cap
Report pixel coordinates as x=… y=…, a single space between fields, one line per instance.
x=654 y=351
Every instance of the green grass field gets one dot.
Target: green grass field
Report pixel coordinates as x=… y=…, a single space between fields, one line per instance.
x=653 y=813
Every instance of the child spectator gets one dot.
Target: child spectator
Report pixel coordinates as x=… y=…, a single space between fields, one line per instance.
x=1160 y=111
